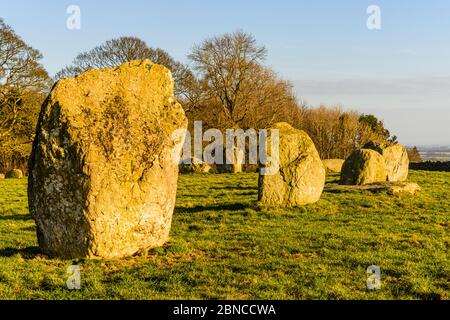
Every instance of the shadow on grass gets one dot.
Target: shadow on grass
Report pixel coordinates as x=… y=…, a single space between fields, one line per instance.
x=336 y=191
x=16 y=217
x=30 y=228
x=235 y=188
x=214 y=207
x=334 y=181
x=26 y=253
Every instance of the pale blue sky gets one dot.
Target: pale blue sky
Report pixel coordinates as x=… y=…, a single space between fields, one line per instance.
x=400 y=73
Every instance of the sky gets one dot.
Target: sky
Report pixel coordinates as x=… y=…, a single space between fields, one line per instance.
x=400 y=73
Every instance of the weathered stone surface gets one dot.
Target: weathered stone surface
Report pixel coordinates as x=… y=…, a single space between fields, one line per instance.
x=364 y=166
x=403 y=188
x=395 y=157
x=195 y=166
x=301 y=176
x=104 y=165
x=14 y=174
x=397 y=162
x=333 y=165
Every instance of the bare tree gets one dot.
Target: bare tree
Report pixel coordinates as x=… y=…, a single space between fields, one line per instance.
x=115 y=52
x=337 y=133
x=266 y=99
x=224 y=64
x=414 y=155
x=21 y=75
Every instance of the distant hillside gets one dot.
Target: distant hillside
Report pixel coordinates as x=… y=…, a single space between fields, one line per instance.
x=435 y=153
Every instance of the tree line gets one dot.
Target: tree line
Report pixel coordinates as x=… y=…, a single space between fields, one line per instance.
x=226 y=84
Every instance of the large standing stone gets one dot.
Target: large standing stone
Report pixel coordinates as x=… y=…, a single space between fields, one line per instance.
x=104 y=165
x=364 y=166
x=301 y=176
x=231 y=164
x=397 y=162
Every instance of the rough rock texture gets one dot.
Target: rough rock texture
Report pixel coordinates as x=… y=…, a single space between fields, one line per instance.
x=301 y=176
x=195 y=166
x=364 y=166
x=333 y=165
x=14 y=174
x=397 y=162
x=403 y=188
x=395 y=157
x=104 y=165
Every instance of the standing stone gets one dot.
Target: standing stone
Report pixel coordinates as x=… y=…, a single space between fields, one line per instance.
x=301 y=176
x=104 y=165
x=333 y=165
x=14 y=174
x=231 y=165
x=364 y=166
x=397 y=162
x=396 y=159
x=239 y=159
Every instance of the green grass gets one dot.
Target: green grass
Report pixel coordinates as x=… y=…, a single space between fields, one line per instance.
x=224 y=246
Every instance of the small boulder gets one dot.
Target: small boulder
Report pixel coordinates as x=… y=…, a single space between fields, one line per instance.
x=14 y=174
x=301 y=176
x=2 y=176
x=364 y=166
x=333 y=165
x=403 y=188
x=194 y=165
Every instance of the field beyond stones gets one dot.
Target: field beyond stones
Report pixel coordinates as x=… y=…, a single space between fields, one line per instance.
x=224 y=246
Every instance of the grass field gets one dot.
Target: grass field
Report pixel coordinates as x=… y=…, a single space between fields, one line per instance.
x=224 y=246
